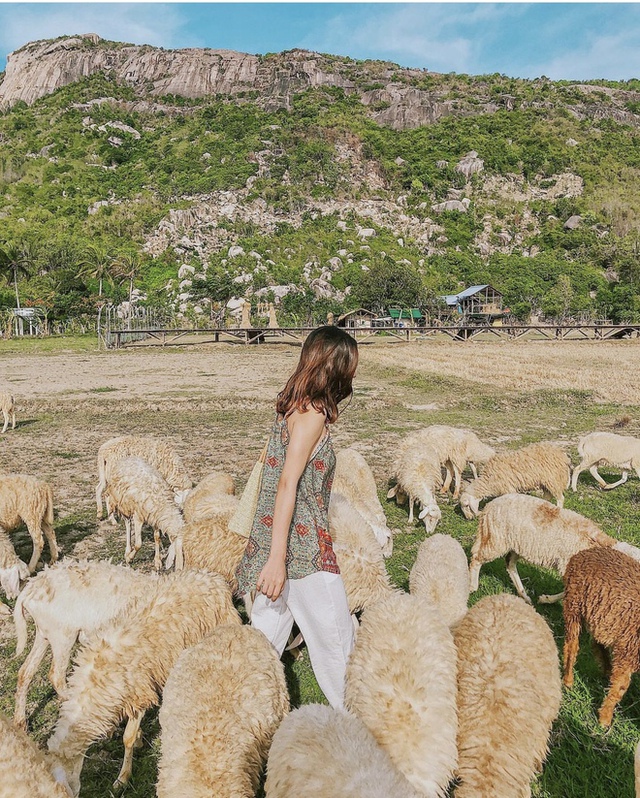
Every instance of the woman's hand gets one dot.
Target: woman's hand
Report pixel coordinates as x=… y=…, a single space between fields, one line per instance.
x=271 y=578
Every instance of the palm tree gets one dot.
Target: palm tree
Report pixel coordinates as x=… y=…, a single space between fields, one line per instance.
x=96 y=262
x=126 y=267
x=17 y=259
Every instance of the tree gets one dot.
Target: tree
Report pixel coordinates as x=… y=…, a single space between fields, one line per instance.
x=17 y=259
x=97 y=263
x=127 y=267
x=390 y=283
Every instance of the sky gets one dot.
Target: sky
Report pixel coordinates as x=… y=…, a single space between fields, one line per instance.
x=572 y=41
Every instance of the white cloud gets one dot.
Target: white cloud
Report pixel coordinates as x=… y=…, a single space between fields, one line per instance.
x=139 y=23
x=614 y=57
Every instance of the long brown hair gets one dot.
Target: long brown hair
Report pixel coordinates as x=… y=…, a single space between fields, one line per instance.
x=323 y=377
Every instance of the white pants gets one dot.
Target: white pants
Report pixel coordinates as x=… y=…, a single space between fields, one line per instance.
x=318 y=604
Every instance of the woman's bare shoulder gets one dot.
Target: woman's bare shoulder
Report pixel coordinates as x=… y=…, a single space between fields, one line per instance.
x=308 y=421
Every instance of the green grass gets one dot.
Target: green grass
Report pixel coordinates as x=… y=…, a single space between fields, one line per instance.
x=49 y=345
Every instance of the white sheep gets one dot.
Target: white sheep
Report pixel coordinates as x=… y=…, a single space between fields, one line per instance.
x=67 y=600
x=221 y=706
x=401 y=682
x=201 y=500
x=542 y=466
x=354 y=480
x=508 y=696
x=25 y=770
x=8 y=407
x=140 y=494
x=517 y=525
x=606 y=448
x=358 y=554
x=357 y=766
x=418 y=475
x=455 y=448
x=440 y=574
x=25 y=499
x=12 y=569
x=122 y=668
x=157 y=453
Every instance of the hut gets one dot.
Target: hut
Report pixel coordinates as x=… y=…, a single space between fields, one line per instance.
x=476 y=303
x=360 y=317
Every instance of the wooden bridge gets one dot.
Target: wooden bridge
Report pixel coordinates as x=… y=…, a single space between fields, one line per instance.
x=257 y=335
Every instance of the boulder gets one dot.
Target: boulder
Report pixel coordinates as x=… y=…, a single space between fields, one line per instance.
x=573 y=222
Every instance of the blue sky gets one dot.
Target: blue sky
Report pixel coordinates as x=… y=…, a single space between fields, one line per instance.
x=560 y=40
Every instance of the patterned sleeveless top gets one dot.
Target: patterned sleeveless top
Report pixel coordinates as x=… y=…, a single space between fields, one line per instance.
x=309 y=548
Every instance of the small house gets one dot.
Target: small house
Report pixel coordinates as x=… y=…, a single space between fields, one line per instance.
x=360 y=317
x=478 y=302
x=406 y=317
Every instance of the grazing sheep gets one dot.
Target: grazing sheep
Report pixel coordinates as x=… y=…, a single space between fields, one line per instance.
x=417 y=473
x=8 y=407
x=69 y=599
x=357 y=767
x=537 y=466
x=201 y=499
x=600 y=448
x=455 y=447
x=139 y=493
x=358 y=554
x=209 y=544
x=12 y=569
x=508 y=696
x=221 y=706
x=122 y=668
x=354 y=480
x=156 y=452
x=26 y=771
x=602 y=589
x=441 y=575
x=25 y=499
x=401 y=682
x=517 y=525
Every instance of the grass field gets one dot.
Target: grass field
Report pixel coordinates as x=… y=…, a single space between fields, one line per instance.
x=215 y=404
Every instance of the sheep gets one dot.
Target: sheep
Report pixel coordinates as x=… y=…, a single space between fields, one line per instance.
x=27 y=772
x=602 y=588
x=26 y=499
x=599 y=448
x=139 y=493
x=221 y=706
x=156 y=452
x=418 y=474
x=357 y=767
x=455 y=447
x=354 y=480
x=508 y=696
x=401 y=682
x=67 y=600
x=8 y=407
x=122 y=667
x=202 y=499
x=12 y=569
x=539 y=465
x=517 y=525
x=440 y=574
x=358 y=554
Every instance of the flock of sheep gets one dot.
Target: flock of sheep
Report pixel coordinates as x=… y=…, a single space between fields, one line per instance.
x=435 y=692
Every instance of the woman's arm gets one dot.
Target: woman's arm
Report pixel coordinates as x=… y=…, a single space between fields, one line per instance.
x=305 y=430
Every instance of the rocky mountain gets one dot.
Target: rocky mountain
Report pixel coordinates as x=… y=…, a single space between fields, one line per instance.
x=315 y=181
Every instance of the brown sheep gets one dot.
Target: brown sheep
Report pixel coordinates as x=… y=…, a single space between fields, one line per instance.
x=602 y=588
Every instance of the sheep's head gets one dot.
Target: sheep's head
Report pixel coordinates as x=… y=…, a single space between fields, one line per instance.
x=469 y=505
x=384 y=538
x=11 y=577
x=179 y=496
x=430 y=514
x=397 y=493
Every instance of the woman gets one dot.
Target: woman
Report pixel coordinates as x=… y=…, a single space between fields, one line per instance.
x=289 y=558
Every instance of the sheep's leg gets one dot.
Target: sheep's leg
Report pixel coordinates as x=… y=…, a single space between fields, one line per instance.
x=576 y=473
x=512 y=570
x=551 y=599
x=99 y=488
x=594 y=473
x=620 y=680
x=13 y=419
x=128 y=551
x=179 y=554
x=130 y=738
x=61 y=654
x=137 y=529
x=621 y=481
x=38 y=545
x=571 y=647
x=474 y=470
x=411 y=501
x=157 y=560
x=457 y=481
x=448 y=477
x=50 y=535
x=560 y=501
x=6 y=421
x=474 y=574
x=26 y=673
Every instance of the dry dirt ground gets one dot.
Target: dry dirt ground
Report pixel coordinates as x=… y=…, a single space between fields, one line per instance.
x=215 y=404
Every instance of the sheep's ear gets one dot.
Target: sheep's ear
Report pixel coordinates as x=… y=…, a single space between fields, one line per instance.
x=392 y=492
x=424 y=512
